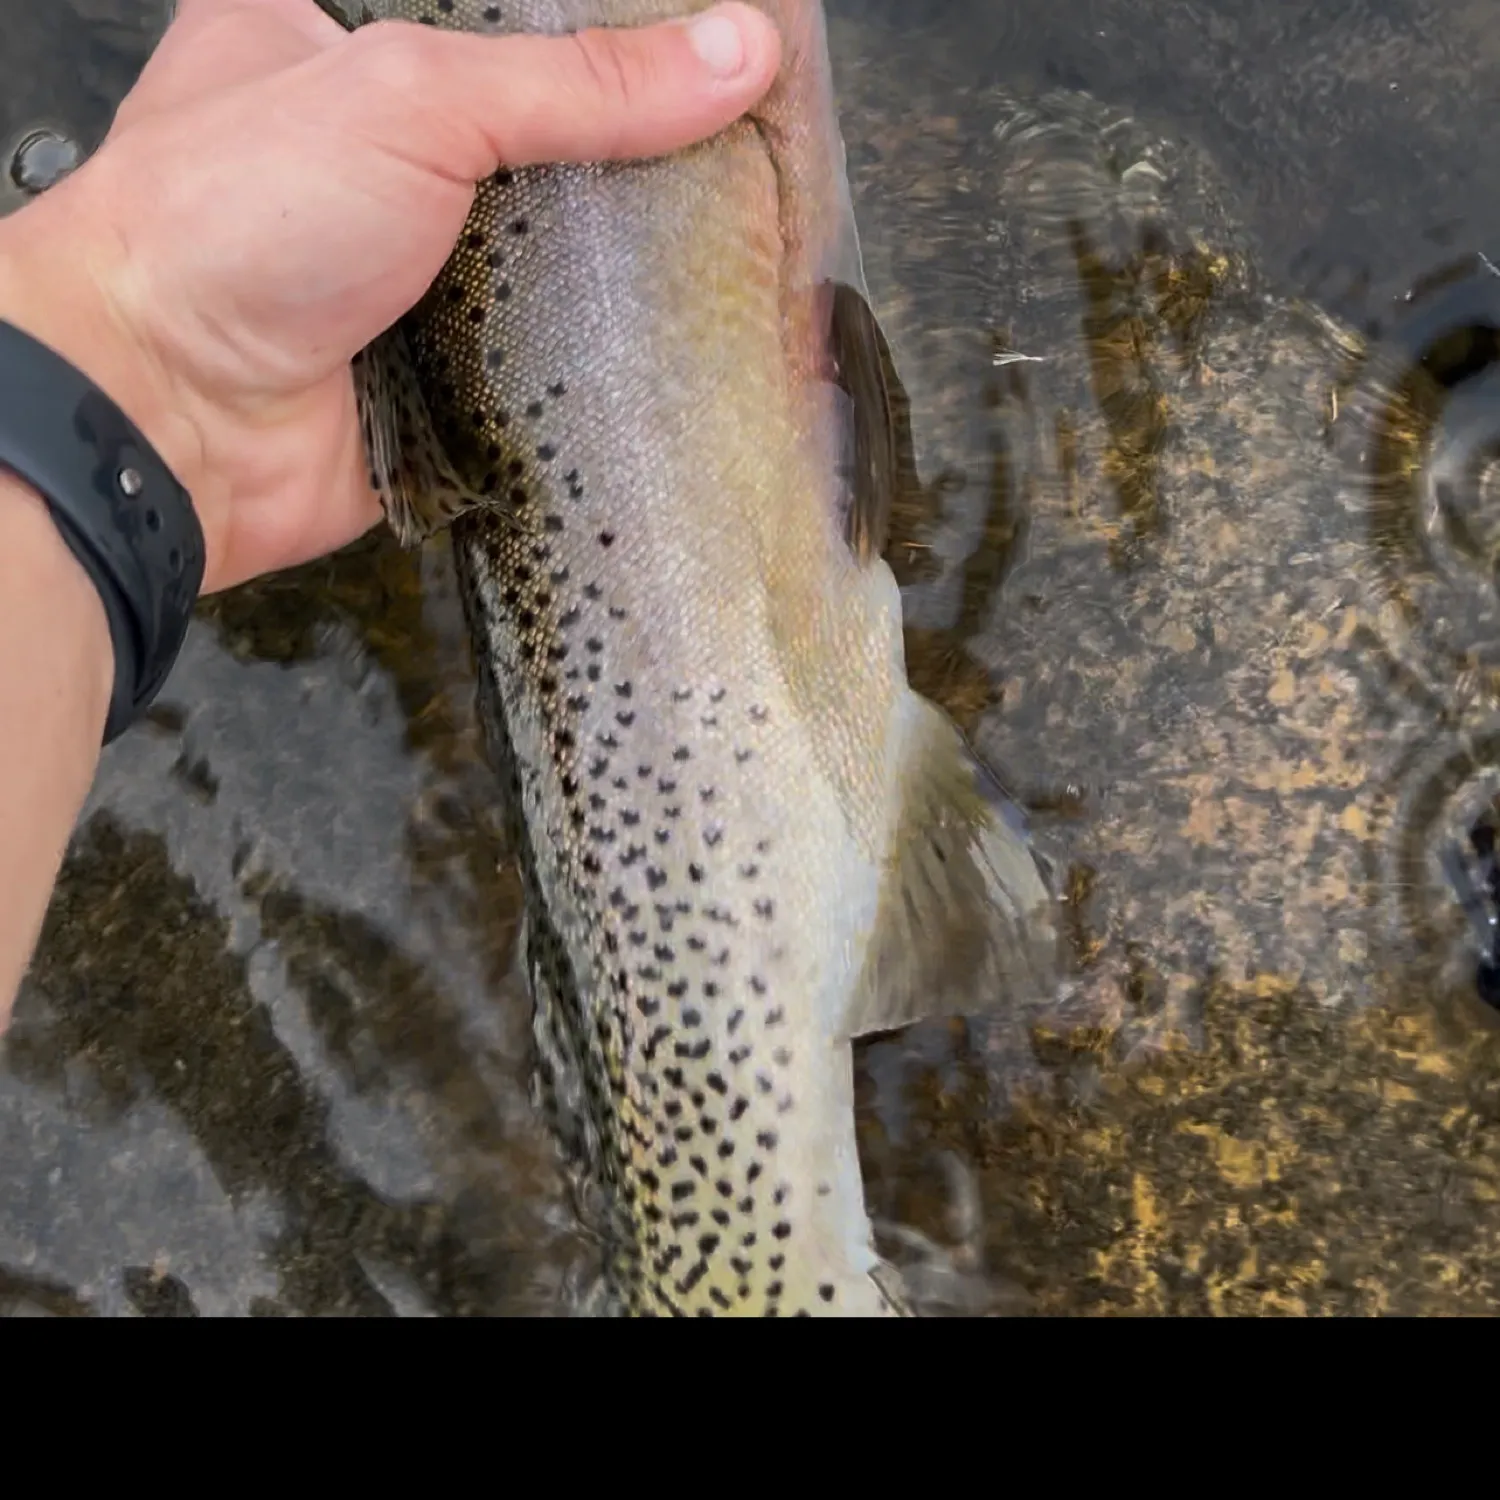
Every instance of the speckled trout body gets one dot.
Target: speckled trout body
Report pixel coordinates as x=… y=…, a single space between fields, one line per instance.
x=649 y=399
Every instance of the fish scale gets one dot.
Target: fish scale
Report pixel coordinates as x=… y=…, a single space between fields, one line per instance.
x=644 y=398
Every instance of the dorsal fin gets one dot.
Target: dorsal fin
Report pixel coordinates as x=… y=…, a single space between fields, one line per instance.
x=419 y=488
x=865 y=372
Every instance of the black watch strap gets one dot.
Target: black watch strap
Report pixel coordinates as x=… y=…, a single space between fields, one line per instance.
x=117 y=505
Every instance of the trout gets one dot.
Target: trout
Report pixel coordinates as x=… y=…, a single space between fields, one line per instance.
x=651 y=402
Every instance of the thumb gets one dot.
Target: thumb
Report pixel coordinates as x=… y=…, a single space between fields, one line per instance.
x=463 y=105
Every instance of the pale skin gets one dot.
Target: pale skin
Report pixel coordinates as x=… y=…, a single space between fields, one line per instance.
x=273 y=194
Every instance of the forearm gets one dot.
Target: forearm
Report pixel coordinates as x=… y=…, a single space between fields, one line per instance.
x=56 y=659
x=56 y=672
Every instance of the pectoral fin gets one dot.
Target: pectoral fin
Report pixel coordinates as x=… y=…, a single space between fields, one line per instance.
x=966 y=920
x=864 y=370
x=419 y=488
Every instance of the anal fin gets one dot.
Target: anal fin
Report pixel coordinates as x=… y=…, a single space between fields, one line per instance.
x=966 y=922
x=419 y=488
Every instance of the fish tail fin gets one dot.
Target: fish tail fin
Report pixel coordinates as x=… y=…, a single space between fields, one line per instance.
x=420 y=490
x=966 y=920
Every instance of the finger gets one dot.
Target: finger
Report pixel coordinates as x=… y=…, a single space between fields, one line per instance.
x=461 y=105
x=307 y=17
x=212 y=45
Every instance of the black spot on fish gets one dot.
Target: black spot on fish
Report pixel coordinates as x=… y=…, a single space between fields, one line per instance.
x=606 y=539
x=519 y=226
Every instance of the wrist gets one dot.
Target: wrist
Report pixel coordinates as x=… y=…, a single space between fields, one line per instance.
x=59 y=275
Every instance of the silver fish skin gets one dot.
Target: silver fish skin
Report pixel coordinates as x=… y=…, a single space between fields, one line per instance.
x=650 y=401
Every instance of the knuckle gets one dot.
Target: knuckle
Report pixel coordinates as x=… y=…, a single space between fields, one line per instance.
x=396 y=59
x=609 y=67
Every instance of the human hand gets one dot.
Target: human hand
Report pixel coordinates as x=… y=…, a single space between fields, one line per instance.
x=276 y=191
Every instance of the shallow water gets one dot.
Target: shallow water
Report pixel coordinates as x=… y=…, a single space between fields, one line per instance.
x=1189 y=581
